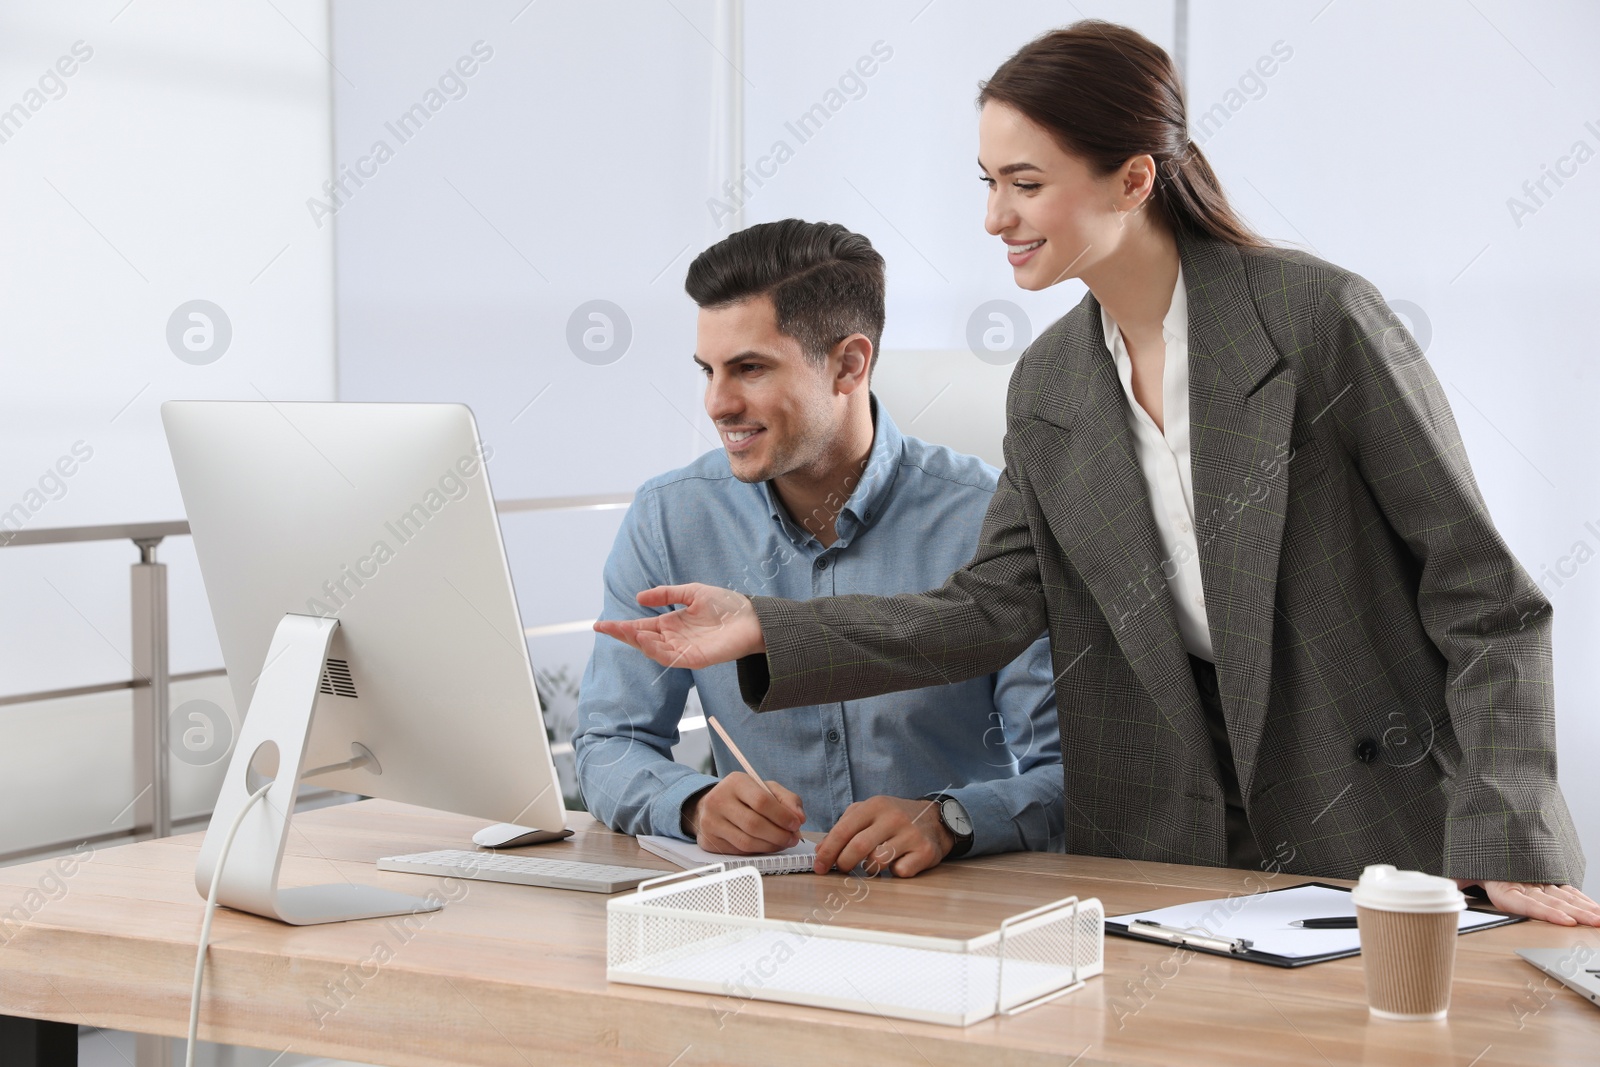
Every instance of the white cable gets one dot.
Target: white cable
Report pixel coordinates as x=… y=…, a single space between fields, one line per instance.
x=205 y=927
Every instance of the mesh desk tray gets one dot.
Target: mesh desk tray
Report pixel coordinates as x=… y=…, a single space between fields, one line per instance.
x=706 y=931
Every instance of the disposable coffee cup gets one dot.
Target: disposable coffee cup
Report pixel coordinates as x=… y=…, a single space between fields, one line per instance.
x=1408 y=929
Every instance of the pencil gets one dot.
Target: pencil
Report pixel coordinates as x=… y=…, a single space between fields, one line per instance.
x=751 y=771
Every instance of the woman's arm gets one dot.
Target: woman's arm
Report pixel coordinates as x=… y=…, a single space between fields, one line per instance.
x=850 y=647
x=1506 y=819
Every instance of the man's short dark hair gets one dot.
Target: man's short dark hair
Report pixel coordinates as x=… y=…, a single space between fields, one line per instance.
x=825 y=282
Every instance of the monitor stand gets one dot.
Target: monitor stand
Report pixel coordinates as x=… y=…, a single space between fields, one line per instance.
x=280 y=716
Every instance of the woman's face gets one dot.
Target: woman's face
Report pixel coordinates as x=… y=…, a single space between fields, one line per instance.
x=1056 y=218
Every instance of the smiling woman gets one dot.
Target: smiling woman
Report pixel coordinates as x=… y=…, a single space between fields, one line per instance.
x=1102 y=124
x=1237 y=499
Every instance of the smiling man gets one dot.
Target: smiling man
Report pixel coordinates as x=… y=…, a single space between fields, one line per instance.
x=815 y=493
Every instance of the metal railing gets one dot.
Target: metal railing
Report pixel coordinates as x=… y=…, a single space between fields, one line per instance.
x=151 y=682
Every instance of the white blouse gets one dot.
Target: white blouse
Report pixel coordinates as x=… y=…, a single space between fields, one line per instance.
x=1164 y=460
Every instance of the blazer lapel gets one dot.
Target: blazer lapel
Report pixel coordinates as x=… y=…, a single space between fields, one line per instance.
x=1241 y=412
x=1095 y=501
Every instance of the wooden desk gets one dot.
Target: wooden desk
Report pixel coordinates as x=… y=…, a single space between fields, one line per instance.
x=513 y=976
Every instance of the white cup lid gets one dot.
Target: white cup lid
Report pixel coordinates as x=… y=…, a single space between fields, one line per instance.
x=1383 y=888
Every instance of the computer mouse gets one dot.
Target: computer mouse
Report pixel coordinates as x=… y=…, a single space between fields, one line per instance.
x=510 y=835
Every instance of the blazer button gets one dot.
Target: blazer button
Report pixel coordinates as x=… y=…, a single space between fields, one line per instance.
x=1366 y=750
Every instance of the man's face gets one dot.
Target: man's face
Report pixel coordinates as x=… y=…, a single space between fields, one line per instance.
x=775 y=410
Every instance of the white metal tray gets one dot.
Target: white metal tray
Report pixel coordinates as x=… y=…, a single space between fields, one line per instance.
x=706 y=931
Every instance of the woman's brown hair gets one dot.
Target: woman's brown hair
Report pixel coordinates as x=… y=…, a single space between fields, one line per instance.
x=1107 y=94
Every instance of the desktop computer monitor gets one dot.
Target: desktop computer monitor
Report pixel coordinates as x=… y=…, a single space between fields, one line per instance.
x=352 y=557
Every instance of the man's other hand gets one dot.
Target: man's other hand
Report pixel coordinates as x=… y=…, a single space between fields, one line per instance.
x=902 y=836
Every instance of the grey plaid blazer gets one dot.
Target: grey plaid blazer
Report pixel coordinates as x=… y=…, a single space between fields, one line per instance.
x=1384 y=661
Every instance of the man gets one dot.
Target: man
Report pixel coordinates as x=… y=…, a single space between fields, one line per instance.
x=816 y=493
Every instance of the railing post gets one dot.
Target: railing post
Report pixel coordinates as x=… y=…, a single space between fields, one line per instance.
x=152 y=813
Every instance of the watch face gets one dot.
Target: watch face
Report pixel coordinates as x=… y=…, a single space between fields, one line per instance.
x=955 y=817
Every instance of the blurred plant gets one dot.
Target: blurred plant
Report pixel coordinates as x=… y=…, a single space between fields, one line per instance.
x=558 y=697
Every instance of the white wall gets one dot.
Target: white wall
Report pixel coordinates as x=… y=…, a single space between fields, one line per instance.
x=172 y=165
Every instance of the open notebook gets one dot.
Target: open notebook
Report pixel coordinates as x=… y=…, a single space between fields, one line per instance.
x=688 y=855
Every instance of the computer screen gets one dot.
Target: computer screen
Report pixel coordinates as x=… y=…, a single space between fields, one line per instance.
x=378 y=516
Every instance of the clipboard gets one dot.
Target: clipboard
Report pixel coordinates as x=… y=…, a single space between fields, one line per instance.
x=1223 y=937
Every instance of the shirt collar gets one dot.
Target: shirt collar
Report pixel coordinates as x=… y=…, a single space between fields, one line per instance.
x=1175 y=326
x=868 y=489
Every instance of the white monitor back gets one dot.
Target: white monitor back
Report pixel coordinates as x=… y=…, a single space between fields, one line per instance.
x=380 y=515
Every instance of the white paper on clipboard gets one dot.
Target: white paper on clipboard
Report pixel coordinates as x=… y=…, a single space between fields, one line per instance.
x=1264 y=918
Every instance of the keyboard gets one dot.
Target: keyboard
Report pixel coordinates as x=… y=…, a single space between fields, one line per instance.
x=521 y=870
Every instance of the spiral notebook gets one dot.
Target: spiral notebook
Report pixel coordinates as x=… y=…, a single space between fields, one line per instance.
x=688 y=855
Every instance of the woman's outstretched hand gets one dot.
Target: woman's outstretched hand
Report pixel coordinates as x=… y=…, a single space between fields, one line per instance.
x=714 y=626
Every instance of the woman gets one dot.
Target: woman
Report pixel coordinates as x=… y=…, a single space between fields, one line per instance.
x=1285 y=630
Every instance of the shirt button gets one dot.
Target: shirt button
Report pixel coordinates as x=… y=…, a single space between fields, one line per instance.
x=822 y=563
x=1184 y=526
x=833 y=735
x=1200 y=600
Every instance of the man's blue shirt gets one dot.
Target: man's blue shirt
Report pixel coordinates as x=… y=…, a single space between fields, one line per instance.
x=912 y=519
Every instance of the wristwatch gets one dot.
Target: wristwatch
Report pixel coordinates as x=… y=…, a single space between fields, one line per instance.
x=955 y=819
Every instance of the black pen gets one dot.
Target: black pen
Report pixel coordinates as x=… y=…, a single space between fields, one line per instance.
x=1341 y=922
